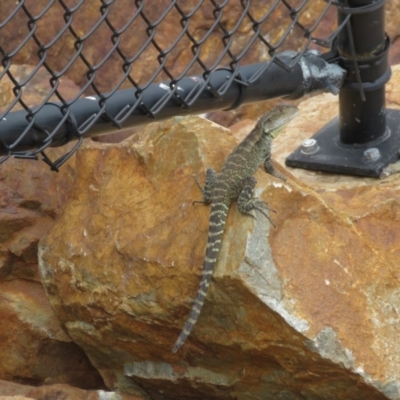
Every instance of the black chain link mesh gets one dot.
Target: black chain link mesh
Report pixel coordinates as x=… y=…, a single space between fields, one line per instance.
x=106 y=46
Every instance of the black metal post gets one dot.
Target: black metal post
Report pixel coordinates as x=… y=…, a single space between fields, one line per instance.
x=365 y=138
x=361 y=114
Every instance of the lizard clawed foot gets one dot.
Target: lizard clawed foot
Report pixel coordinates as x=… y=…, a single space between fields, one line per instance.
x=262 y=207
x=201 y=188
x=197 y=181
x=258 y=205
x=266 y=215
x=211 y=177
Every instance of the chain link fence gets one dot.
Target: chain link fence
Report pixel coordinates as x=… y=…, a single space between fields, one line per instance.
x=111 y=64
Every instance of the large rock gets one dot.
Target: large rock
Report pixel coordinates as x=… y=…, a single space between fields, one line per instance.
x=306 y=310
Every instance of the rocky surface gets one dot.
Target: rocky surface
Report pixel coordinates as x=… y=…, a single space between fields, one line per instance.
x=36 y=90
x=392 y=15
x=13 y=391
x=34 y=347
x=306 y=310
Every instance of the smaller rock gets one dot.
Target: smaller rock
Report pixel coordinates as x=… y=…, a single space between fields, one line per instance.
x=15 y=398
x=14 y=391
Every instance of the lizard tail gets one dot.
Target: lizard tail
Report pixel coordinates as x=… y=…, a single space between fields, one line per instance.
x=218 y=214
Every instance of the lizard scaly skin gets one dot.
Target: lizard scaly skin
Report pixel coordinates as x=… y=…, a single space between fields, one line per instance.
x=236 y=181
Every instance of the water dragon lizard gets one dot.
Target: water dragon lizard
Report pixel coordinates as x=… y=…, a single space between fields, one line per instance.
x=235 y=182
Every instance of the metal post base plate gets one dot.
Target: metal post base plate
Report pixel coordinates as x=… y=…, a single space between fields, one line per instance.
x=328 y=154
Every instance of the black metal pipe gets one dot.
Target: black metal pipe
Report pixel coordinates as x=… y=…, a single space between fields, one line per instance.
x=309 y=74
x=361 y=121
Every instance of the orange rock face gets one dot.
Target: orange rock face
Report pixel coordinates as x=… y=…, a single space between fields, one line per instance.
x=307 y=309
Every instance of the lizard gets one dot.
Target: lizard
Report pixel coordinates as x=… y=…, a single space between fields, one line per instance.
x=235 y=182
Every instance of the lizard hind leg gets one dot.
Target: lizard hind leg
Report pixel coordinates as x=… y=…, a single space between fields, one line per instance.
x=211 y=177
x=247 y=203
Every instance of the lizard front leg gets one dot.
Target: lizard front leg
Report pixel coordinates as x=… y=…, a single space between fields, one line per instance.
x=211 y=177
x=269 y=168
x=246 y=202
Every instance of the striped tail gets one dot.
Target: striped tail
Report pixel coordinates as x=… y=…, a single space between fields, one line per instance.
x=218 y=214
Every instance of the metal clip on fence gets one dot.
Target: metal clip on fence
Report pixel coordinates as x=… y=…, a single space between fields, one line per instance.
x=365 y=138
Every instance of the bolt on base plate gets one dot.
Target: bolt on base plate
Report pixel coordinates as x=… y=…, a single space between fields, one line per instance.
x=324 y=151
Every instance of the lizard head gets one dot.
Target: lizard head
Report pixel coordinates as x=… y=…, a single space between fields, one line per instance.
x=273 y=121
